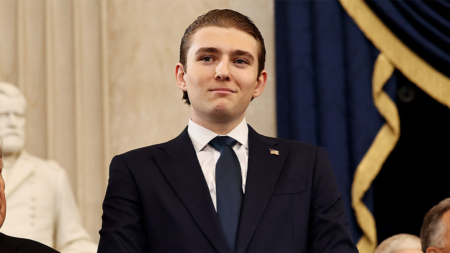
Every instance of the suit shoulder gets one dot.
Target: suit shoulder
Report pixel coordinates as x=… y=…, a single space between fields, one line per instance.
x=291 y=144
x=28 y=246
x=22 y=245
x=44 y=166
x=148 y=150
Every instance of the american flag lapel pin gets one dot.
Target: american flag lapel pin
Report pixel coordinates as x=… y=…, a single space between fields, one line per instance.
x=274 y=152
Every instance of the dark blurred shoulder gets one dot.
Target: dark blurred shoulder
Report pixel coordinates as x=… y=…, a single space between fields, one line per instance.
x=9 y=244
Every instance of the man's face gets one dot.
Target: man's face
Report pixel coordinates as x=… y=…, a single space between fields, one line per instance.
x=12 y=124
x=222 y=74
x=2 y=193
x=446 y=220
x=446 y=237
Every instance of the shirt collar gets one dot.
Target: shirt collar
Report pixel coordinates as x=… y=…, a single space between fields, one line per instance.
x=201 y=136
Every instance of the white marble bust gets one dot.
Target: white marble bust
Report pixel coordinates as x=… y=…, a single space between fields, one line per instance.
x=41 y=205
x=12 y=121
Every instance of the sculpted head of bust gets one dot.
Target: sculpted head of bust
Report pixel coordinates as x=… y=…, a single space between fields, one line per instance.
x=12 y=118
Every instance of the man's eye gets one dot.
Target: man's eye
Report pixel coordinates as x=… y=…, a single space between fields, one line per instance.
x=207 y=59
x=241 y=61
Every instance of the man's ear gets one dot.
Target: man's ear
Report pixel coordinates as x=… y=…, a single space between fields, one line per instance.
x=433 y=250
x=260 y=84
x=179 y=76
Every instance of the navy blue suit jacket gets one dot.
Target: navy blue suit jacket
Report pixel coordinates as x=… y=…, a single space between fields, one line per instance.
x=158 y=201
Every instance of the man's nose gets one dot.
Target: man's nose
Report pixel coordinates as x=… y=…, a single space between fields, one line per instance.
x=12 y=119
x=223 y=70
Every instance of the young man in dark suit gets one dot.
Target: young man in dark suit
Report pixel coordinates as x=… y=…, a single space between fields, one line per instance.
x=220 y=186
x=9 y=244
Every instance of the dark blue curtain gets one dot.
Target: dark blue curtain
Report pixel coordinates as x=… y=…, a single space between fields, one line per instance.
x=423 y=26
x=324 y=67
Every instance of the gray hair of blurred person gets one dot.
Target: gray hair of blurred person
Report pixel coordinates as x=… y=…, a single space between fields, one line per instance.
x=433 y=227
x=11 y=91
x=399 y=242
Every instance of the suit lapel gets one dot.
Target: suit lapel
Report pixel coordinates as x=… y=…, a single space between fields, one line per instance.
x=179 y=164
x=21 y=170
x=262 y=175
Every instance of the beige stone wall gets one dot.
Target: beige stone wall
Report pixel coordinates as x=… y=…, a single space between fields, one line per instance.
x=99 y=79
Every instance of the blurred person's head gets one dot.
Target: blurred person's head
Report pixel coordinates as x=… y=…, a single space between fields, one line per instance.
x=435 y=233
x=2 y=189
x=12 y=118
x=222 y=19
x=401 y=243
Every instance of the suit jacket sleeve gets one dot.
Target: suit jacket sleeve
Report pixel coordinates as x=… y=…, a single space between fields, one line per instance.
x=122 y=228
x=328 y=230
x=70 y=235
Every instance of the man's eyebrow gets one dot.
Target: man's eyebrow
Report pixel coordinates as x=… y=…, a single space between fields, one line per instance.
x=211 y=50
x=239 y=52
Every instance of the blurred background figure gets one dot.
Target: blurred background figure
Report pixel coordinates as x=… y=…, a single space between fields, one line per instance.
x=41 y=205
x=401 y=243
x=10 y=244
x=435 y=234
x=2 y=189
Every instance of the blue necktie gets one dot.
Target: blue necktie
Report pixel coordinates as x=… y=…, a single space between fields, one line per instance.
x=228 y=188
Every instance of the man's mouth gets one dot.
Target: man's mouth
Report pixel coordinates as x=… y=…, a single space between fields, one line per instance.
x=223 y=90
x=11 y=133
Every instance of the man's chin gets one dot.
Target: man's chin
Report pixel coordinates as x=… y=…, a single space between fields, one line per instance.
x=223 y=115
x=12 y=148
x=220 y=111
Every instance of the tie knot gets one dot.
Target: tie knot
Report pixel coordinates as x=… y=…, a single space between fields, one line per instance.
x=220 y=141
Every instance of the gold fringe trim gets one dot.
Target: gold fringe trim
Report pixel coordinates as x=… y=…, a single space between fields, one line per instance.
x=373 y=160
x=434 y=83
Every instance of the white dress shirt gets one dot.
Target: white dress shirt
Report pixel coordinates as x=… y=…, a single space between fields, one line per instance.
x=208 y=156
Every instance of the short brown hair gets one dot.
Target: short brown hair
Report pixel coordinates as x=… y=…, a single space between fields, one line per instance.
x=226 y=19
x=433 y=226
